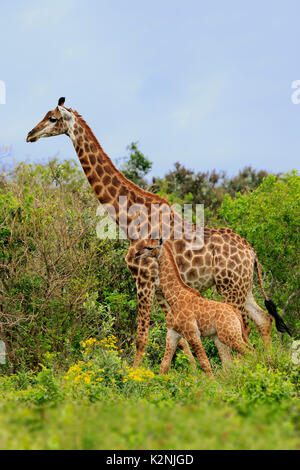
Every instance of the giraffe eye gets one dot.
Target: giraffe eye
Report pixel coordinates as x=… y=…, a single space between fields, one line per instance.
x=51 y=119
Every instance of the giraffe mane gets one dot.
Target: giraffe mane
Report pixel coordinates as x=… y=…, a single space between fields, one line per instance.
x=129 y=183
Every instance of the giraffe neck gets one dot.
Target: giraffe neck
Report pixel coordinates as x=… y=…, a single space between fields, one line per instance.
x=170 y=280
x=107 y=182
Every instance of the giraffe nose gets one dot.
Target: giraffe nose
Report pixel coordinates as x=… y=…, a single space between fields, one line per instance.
x=29 y=137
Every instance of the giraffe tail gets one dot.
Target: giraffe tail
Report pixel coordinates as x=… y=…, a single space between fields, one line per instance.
x=269 y=304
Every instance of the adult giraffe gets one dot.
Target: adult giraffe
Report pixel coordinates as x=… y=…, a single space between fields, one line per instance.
x=226 y=259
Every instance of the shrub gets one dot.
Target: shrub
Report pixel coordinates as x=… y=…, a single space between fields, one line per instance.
x=269 y=218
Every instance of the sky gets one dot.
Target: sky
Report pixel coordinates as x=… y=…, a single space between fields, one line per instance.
x=208 y=84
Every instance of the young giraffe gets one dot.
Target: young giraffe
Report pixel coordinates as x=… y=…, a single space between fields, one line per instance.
x=226 y=259
x=191 y=316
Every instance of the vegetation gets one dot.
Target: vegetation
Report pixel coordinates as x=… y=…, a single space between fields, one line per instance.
x=269 y=218
x=68 y=318
x=100 y=402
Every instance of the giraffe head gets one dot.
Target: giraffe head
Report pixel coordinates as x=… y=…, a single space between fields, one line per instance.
x=56 y=122
x=151 y=249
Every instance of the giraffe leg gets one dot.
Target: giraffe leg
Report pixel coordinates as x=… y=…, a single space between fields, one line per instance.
x=239 y=345
x=231 y=334
x=260 y=318
x=224 y=351
x=171 y=344
x=182 y=341
x=193 y=338
x=145 y=302
x=145 y=276
x=183 y=344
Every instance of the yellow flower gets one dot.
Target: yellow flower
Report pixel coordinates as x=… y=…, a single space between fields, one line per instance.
x=140 y=374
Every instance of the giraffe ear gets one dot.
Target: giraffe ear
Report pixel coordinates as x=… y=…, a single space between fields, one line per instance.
x=160 y=242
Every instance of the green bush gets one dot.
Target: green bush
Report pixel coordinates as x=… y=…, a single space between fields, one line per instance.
x=269 y=218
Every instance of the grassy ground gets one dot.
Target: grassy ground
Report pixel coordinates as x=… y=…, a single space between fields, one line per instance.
x=101 y=403
x=131 y=425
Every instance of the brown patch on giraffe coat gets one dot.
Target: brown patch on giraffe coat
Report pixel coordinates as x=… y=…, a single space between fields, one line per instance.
x=188 y=254
x=217 y=239
x=134 y=270
x=84 y=161
x=105 y=198
x=181 y=263
x=108 y=170
x=115 y=181
x=236 y=259
x=198 y=261
x=99 y=170
x=92 y=158
x=112 y=190
x=139 y=200
x=106 y=180
x=179 y=246
x=207 y=259
x=123 y=190
x=224 y=273
x=192 y=274
x=233 y=249
x=146 y=261
x=97 y=188
x=92 y=178
x=202 y=270
x=225 y=250
x=217 y=249
x=220 y=262
x=230 y=264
